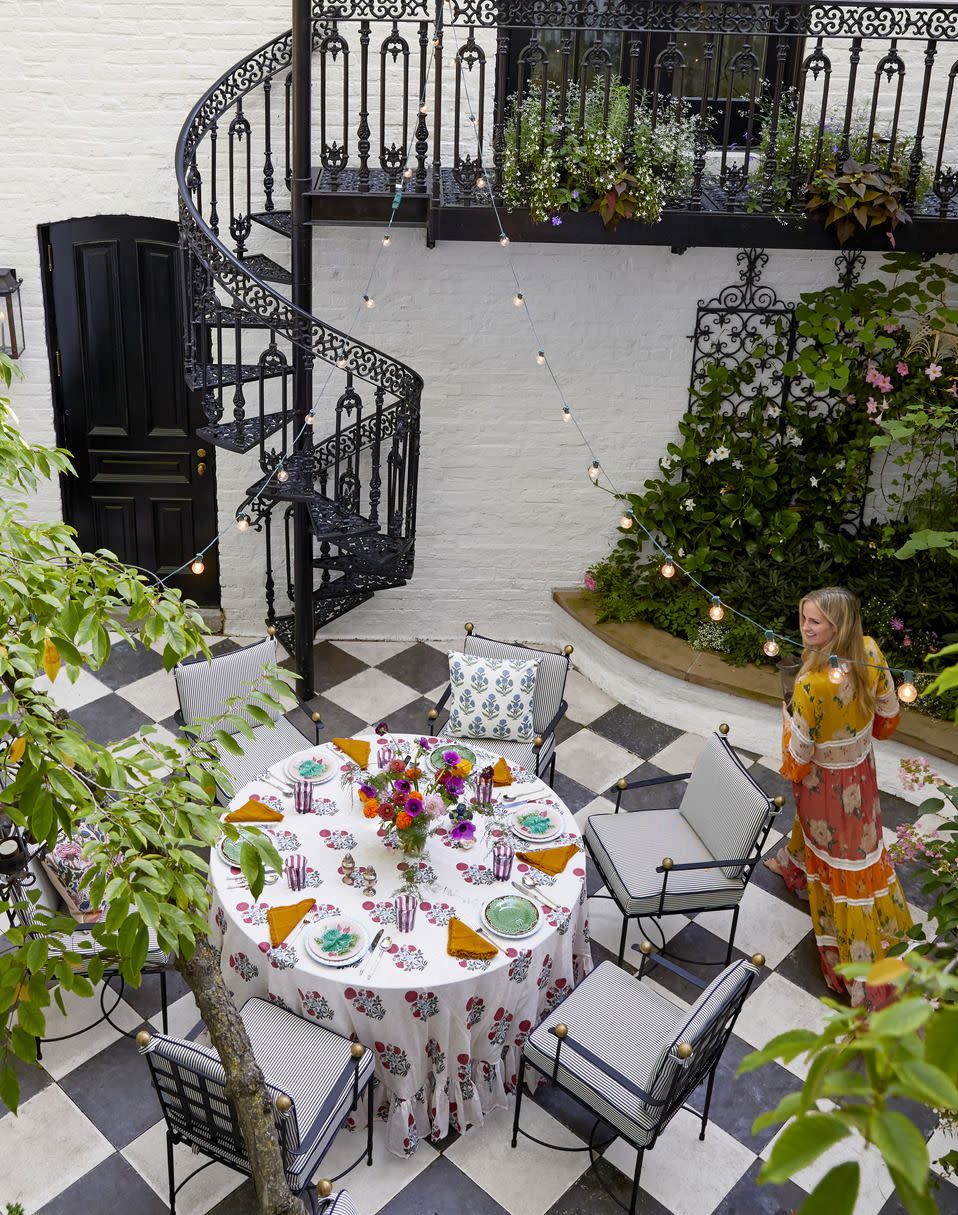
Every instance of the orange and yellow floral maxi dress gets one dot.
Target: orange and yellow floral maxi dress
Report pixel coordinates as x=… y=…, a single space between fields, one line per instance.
x=836 y=852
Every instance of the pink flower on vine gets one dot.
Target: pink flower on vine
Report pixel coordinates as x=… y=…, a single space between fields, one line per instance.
x=891 y=326
x=933 y=371
x=851 y=398
x=883 y=383
x=589 y=582
x=953 y=390
x=872 y=374
x=871 y=405
x=901 y=367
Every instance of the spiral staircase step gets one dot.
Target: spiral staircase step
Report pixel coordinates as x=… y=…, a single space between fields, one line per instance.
x=276 y=221
x=324 y=612
x=265 y=268
x=244 y=435
x=218 y=375
x=228 y=316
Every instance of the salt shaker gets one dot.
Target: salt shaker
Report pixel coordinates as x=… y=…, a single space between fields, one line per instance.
x=369 y=880
x=348 y=865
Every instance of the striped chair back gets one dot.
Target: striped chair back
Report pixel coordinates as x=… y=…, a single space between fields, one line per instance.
x=550 y=680
x=191 y=1086
x=203 y=685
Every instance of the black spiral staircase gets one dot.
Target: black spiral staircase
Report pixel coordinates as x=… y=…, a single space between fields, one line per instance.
x=339 y=512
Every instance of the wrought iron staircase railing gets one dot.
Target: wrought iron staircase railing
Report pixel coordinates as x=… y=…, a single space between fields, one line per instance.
x=357 y=485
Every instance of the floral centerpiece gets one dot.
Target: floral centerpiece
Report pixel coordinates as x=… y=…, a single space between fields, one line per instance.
x=409 y=800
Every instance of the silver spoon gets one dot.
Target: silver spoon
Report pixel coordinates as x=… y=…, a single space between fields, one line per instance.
x=531 y=884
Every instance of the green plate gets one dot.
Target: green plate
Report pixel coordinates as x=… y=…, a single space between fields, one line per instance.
x=229 y=850
x=511 y=915
x=435 y=755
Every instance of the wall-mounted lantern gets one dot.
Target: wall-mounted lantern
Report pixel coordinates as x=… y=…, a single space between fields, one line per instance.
x=11 y=314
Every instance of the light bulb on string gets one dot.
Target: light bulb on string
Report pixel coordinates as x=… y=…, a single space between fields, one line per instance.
x=472 y=119
x=626 y=521
x=503 y=239
x=716 y=611
x=566 y=413
x=480 y=183
x=771 y=645
x=369 y=301
x=154 y=601
x=518 y=299
x=407 y=173
x=835 y=672
x=424 y=109
x=387 y=241
x=309 y=419
x=242 y=523
x=907 y=692
x=667 y=568
x=198 y=565
x=594 y=472
x=282 y=475
x=341 y=361
x=541 y=358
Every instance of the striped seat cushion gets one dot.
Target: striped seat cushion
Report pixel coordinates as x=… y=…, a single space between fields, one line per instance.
x=204 y=685
x=268 y=746
x=550 y=678
x=723 y=804
x=338 y=1204
x=631 y=1029
x=628 y=847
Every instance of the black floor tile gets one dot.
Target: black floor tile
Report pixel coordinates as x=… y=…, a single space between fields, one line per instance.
x=593 y=879
x=895 y=811
x=804 y=968
x=115 y=1186
x=114 y=1090
x=242 y=1201
x=442 y=1189
x=658 y=797
x=572 y=793
x=225 y=645
x=602 y=1190
x=171 y=724
x=331 y=666
x=566 y=728
x=912 y=881
x=774 y=784
x=556 y=1102
x=708 y=952
x=747 y=1197
x=110 y=718
x=421 y=667
x=337 y=722
x=127 y=664
x=32 y=1077
x=412 y=718
x=146 y=998
x=738 y=1100
x=639 y=734
x=772 y=883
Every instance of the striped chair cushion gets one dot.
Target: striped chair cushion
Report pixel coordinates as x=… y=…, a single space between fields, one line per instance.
x=550 y=680
x=715 y=1001
x=338 y=1204
x=628 y=847
x=627 y=1026
x=723 y=804
x=204 y=685
x=268 y=745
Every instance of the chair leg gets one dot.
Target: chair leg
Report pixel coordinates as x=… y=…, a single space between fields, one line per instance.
x=731 y=937
x=635 y=1182
x=169 y=1169
x=552 y=770
x=520 y=1081
x=625 y=931
x=369 y=1124
x=163 y=1004
x=708 y=1101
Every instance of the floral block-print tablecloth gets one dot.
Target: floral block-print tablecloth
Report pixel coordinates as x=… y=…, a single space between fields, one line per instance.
x=446 y=1031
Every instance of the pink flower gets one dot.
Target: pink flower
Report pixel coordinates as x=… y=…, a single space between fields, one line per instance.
x=902 y=368
x=433 y=805
x=589 y=582
x=871 y=405
x=896 y=623
x=850 y=398
x=906 y=641
x=953 y=390
x=891 y=326
x=883 y=383
x=933 y=371
x=872 y=374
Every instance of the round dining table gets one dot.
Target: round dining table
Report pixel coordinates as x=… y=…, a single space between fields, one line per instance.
x=446 y=1031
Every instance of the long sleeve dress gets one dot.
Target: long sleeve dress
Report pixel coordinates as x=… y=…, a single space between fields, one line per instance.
x=836 y=852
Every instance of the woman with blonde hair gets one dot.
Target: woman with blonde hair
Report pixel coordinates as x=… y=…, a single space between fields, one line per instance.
x=836 y=856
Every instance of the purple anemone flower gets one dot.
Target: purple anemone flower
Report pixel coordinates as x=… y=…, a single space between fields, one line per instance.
x=451 y=758
x=402 y=786
x=424 y=743
x=455 y=786
x=464 y=830
x=382 y=727
x=414 y=805
x=368 y=790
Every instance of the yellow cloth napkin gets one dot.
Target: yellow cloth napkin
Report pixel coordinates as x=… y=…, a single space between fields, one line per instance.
x=549 y=860
x=501 y=773
x=357 y=749
x=463 y=942
x=253 y=812
x=282 y=920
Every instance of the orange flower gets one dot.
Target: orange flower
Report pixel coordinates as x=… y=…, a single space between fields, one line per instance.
x=362 y=796
x=463 y=768
x=403 y=820
x=413 y=773
x=371 y=809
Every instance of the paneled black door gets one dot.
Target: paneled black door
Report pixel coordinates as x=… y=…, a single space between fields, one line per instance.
x=145 y=486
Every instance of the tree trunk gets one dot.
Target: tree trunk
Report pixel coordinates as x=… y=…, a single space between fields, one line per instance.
x=245 y=1085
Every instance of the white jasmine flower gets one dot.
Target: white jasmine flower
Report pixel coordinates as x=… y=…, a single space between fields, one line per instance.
x=792 y=437
x=710 y=457
x=813 y=481
x=722 y=453
x=772 y=411
x=689 y=504
x=737 y=464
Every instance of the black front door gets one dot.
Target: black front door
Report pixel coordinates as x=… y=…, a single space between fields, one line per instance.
x=145 y=487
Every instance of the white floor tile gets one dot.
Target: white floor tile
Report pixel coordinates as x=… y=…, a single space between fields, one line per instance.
x=72 y=696
x=766 y=925
x=371 y=1188
x=46 y=1147
x=605 y=926
x=594 y=761
x=598 y=805
x=941 y=1142
x=154 y=695
x=586 y=701
x=147 y=1154
x=506 y=1174
x=680 y=755
x=373 y=652
x=59 y=1058
x=875 y=1185
x=776 y=1006
x=688 y=1175
x=770 y=761
x=182 y=1015
x=371 y=695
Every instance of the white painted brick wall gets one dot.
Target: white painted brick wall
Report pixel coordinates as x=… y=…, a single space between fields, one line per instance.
x=506 y=510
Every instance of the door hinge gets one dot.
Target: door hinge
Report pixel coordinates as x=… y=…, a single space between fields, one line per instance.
x=56 y=361
x=50 y=258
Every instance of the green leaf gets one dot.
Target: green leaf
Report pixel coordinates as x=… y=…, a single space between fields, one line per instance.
x=902 y=1145
x=929 y=1084
x=228 y=743
x=941 y=1040
x=836 y=1193
x=801 y=1142
x=9 y=1087
x=900 y=1019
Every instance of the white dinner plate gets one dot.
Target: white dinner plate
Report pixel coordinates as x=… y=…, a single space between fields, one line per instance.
x=313 y=935
x=536 y=823
x=317 y=754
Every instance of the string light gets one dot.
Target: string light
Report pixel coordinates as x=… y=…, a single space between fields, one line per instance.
x=594 y=471
x=309 y=419
x=907 y=692
x=626 y=521
x=407 y=173
x=835 y=672
x=424 y=109
x=480 y=183
x=387 y=241
x=667 y=568
x=282 y=475
x=716 y=611
x=472 y=119
x=541 y=357
x=341 y=361
x=517 y=299
x=369 y=301
x=566 y=413
x=503 y=239
x=198 y=565
x=771 y=645
x=242 y=523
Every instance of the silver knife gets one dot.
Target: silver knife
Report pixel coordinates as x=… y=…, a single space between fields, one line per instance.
x=372 y=948
x=375 y=958
x=536 y=894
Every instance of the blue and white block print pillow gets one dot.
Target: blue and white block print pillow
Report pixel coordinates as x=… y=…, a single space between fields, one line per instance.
x=491 y=697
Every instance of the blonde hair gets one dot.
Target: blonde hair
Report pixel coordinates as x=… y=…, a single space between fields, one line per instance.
x=840 y=608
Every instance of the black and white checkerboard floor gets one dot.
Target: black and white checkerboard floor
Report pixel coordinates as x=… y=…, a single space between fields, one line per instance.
x=88 y=1135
